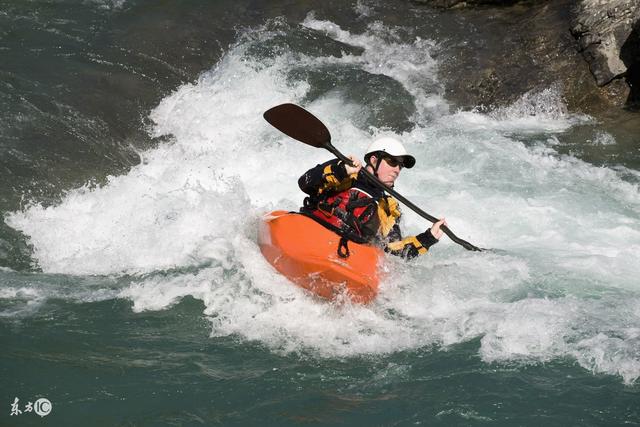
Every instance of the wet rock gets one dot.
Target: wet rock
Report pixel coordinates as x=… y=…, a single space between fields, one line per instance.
x=601 y=28
x=524 y=46
x=499 y=61
x=630 y=55
x=453 y=4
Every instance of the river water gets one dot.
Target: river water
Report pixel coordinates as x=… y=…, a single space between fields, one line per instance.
x=135 y=165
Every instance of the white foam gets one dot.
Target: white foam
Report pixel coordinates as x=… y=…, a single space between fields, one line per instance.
x=107 y=4
x=603 y=138
x=22 y=294
x=19 y=293
x=604 y=354
x=563 y=285
x=410 y=64
x=534 y=112
x=363 y=9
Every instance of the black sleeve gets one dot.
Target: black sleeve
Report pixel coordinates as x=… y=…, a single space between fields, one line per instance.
x=328 y=176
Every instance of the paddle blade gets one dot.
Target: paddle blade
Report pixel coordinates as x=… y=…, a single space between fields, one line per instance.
x=299 y=124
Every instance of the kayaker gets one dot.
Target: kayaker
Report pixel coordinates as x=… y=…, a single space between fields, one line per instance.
x=343 y=199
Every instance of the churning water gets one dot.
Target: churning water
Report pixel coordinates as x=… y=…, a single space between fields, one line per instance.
x=158 y=267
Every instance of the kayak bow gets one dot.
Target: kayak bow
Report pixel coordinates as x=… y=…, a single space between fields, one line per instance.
x=305 y=252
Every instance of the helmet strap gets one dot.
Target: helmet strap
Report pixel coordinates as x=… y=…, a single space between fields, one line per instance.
x=379 y=157
x=377 y=166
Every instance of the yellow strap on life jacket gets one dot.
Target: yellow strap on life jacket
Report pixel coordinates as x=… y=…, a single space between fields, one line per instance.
x=388 y=212
x=412 y=240
x=334 y=184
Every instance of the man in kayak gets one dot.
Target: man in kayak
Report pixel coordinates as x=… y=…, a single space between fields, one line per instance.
x=343 y=199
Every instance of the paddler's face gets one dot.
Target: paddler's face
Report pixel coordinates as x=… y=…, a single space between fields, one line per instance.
x=388 y=170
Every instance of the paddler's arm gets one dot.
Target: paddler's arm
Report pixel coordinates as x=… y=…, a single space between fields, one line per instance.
x=413 y=246
x=329 y=176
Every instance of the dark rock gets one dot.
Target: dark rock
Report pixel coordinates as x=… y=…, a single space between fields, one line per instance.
x=630 y=55
x=601 y=28
x=530 y=46
x=457 y=4
x=494 y=58
x=512 y=50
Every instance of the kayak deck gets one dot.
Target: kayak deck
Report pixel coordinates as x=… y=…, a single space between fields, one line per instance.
x=306 y=253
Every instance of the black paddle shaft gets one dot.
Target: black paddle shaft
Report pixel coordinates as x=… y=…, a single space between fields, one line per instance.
x=303 y=126
x=371 y=177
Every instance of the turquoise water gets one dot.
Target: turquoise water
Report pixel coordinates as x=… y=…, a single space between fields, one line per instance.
x=135 y=168
x=104 y=363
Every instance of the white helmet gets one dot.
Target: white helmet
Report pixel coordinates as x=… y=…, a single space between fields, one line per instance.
x=392 y=147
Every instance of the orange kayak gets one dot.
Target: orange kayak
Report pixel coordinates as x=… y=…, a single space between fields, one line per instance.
x=306 y=253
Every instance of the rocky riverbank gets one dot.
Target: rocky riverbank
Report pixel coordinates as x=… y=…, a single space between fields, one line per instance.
x=590 y=48
x=607 y=35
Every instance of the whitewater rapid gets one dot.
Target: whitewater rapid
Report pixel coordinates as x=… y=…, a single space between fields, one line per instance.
x=561 y=282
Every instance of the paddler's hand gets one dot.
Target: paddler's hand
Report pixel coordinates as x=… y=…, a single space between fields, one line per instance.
x=435 y=228
x=356 y=166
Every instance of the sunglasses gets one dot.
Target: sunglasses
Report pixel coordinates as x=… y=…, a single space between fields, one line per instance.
x=394 y=161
